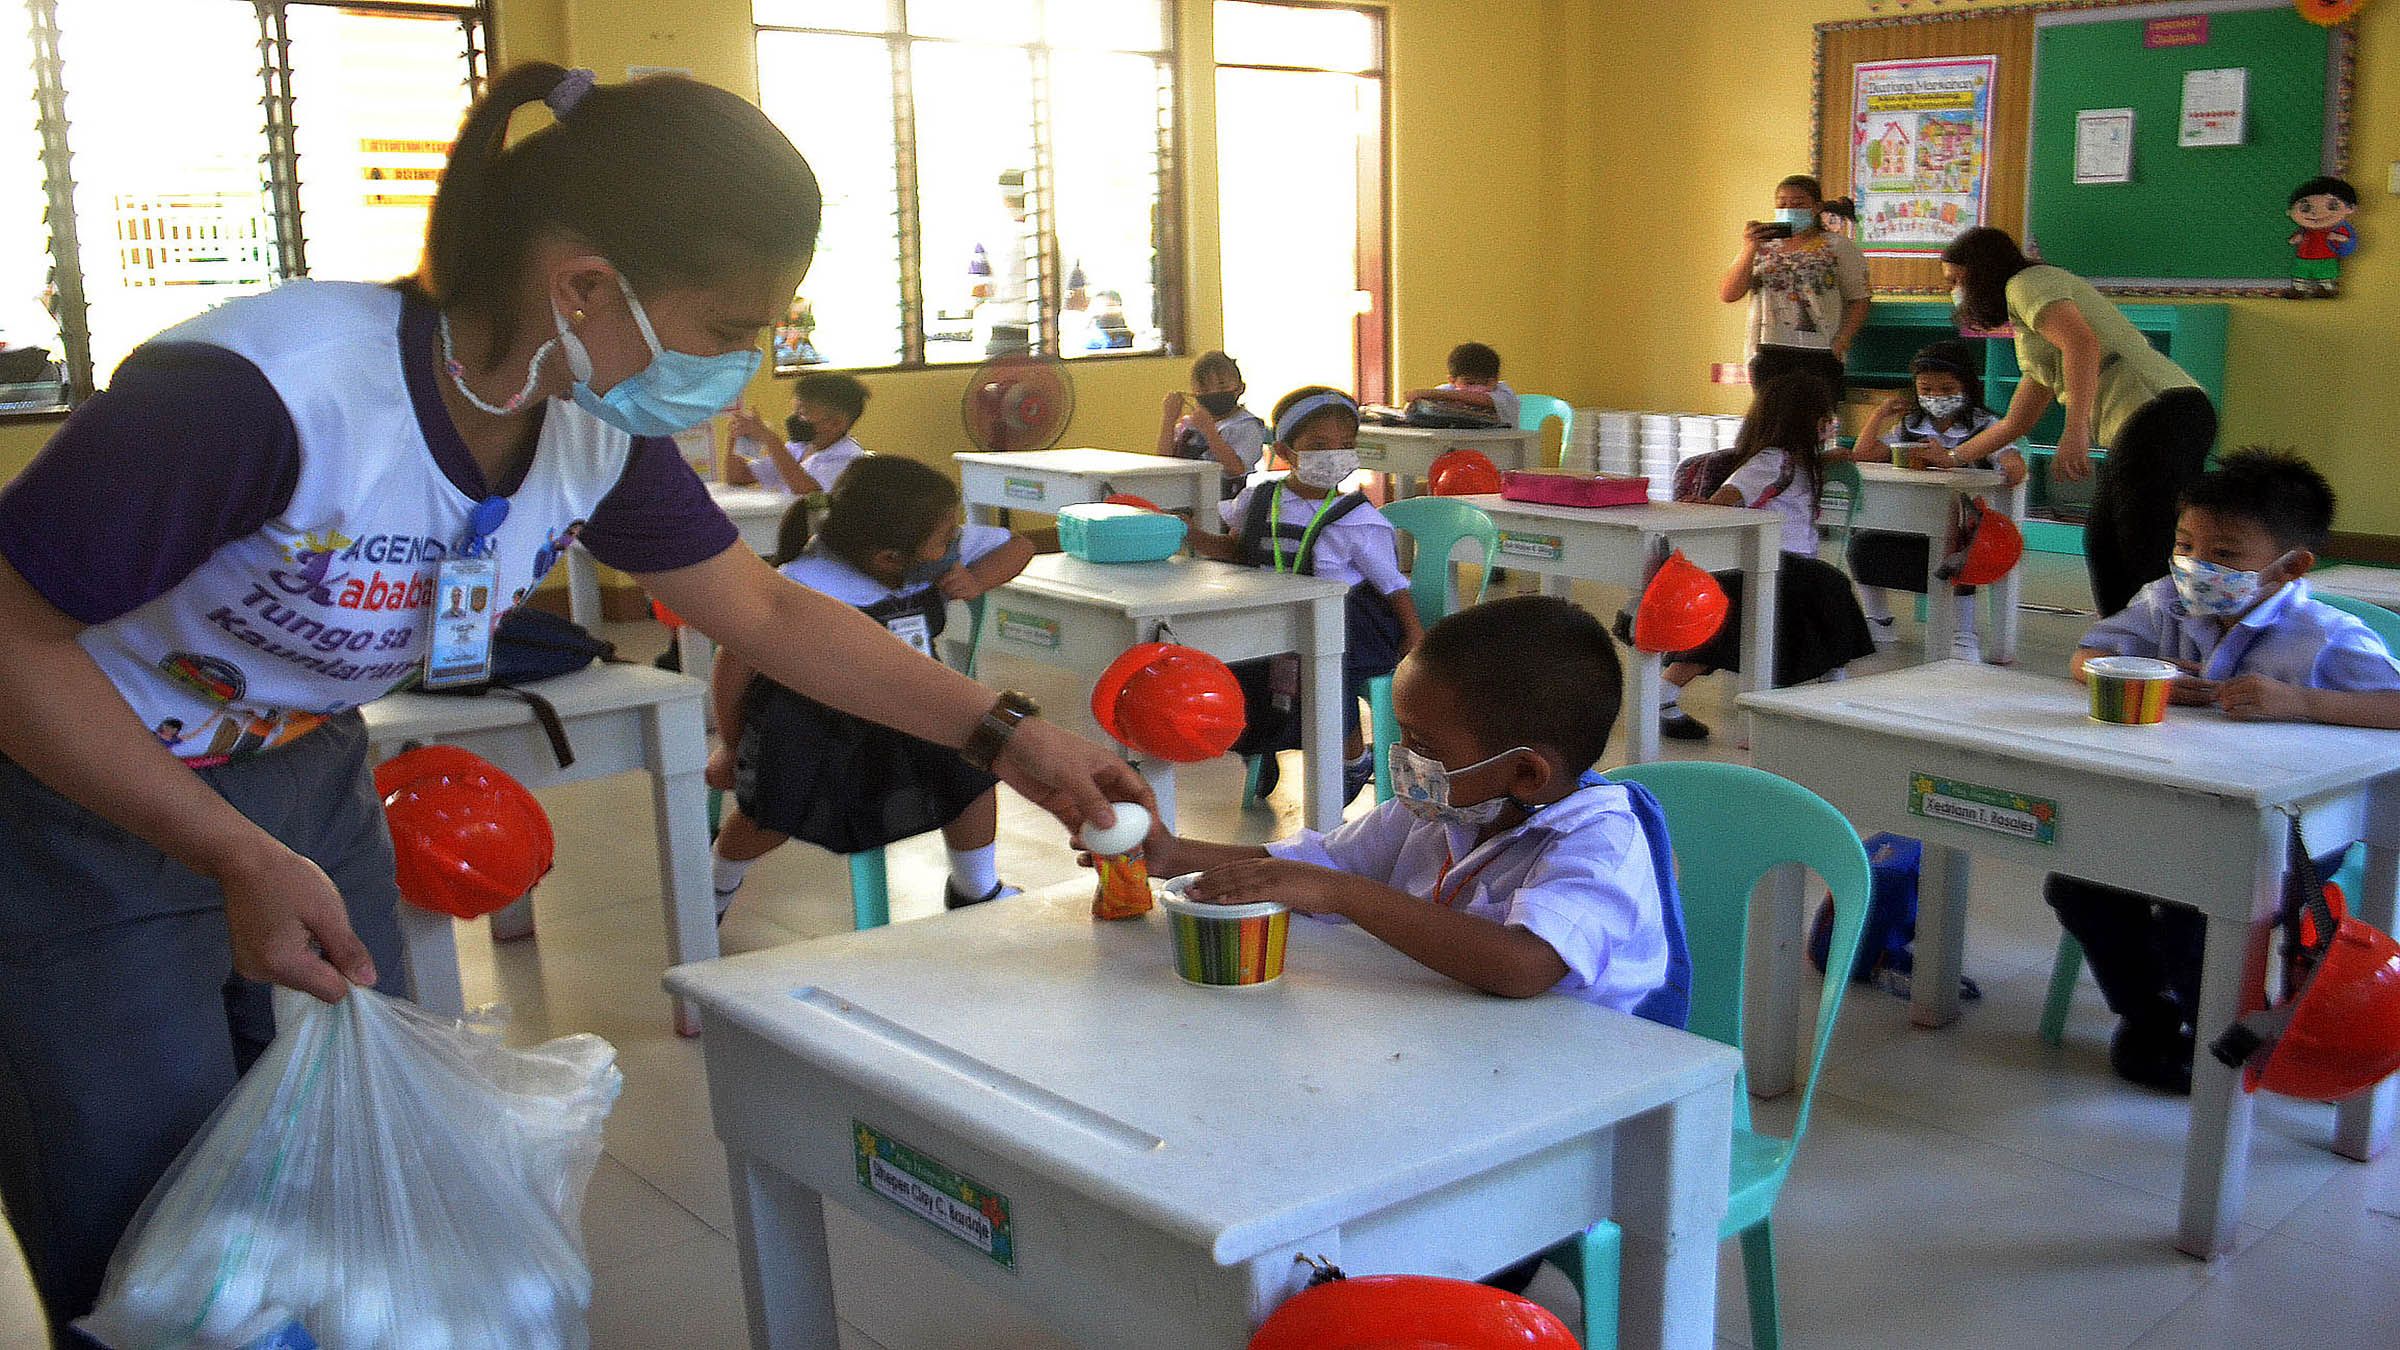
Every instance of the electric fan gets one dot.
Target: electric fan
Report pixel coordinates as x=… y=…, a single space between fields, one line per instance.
x=1018 y=403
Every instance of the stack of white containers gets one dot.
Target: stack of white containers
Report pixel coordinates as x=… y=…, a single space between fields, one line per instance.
x=1729 y=430
x=1657 y=443
x=1613 y=444
x=1651 y=444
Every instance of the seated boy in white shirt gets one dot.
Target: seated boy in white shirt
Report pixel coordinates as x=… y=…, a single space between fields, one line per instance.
x=816 y=447
x=1474 y=386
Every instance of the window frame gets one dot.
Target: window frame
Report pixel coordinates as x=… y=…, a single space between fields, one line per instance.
x=279 y=172
x=899 y=42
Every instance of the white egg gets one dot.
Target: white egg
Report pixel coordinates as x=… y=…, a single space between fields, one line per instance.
x=1132 y=827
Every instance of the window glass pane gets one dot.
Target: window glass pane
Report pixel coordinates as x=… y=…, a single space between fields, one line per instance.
x=173 y=214
x=978 y=20
x=1291 y=313
x=1288 y=35
x=981 y=264
x=31 y=370
x=376 y=99
x=1105 y=149
x=865 y=16
x=1122 y=25
x=833 y=97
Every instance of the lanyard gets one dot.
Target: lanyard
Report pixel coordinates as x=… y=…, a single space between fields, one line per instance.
x=1307 y=536
x=1450 y=899
x=481 y=524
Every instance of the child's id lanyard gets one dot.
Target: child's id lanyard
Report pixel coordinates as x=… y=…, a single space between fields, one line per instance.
x=915 y=630
x=465 y=591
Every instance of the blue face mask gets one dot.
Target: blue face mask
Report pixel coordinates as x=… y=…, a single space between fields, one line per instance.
x=927 y=573
x=675 y=392
x=1798 y=217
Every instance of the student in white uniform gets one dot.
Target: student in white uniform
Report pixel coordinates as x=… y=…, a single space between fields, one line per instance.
x=892 y=547
x=1219 y=427
x=1474 y=386
x=816 y=445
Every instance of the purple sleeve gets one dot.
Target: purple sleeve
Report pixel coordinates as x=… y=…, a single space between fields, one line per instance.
x=188 y=449
x=659 y=516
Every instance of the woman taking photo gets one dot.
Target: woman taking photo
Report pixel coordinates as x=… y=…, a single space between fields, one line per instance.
x=2078 y=349
x=215 y=562
x=1807 y=288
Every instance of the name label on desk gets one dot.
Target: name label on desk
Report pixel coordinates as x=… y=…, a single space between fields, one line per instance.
x=1540 y=547
x=1023 y=489
x=1030 y=630
x=956 y=1204
x=2032 y=819
x=1371 y=454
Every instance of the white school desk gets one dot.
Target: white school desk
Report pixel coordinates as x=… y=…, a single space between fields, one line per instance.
x=1611 y=544
x=1062 y=611
x=2192 y=810
x=1163 y=1153
x=1405 y=453
x=755 y=511
x=617 y=718
x=1917 y=501
x=1045 y=480
x=2375 y=585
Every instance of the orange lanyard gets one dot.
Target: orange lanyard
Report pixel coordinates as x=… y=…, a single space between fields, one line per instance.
x=1450 y=860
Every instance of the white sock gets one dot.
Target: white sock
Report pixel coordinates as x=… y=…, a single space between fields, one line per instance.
x=975 y=871
x=726 y=875
x=1876 y=602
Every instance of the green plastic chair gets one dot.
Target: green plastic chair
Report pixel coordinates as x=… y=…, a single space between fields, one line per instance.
x=1535 y=409
x=1738 y=824
x=1439 y=525
x=2067 y=967
x=1844 y=474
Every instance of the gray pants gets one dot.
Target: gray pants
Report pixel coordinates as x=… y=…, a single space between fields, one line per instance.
x=122 y=1024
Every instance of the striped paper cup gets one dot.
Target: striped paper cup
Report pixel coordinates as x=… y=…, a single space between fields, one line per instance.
x=1225 y=946
x=2129 y=691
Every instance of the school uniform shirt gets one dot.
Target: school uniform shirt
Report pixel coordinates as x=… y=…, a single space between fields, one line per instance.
x=2132 y=372
x=250 y=518
x=1918 y=428
x=1360 y=547
x=2291 y=637
x=1578 y=875
x=1800 y=287
x=827 y=574
x=825 y=465
x=1794 y=504
x=1244 y=433
x=1504 y=401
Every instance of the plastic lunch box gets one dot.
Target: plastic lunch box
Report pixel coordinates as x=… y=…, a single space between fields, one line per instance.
x=1101 y=533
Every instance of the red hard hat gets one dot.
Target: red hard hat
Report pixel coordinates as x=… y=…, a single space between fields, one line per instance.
x=1128 y=499
x=1681 y=608
x=1992 y=549
x=1410 y=1312
x=660 y=612
x=468 y=838
x=1462 y=473
x=1169 y=702
x=2340 y=1034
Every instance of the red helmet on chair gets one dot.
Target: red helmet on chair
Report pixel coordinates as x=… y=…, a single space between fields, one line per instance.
x=1993 y=546
x=1128 y=499
x=1681 y=608
x=1169 y=702
x=2340 y=1033
x=468 y=838
x=1410 y=1312
x=1462 y=473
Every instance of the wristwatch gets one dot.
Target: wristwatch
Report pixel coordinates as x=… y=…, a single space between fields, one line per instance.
x=990 y=736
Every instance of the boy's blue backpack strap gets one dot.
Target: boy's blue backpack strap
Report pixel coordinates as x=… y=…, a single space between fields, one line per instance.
x=1671 y=1003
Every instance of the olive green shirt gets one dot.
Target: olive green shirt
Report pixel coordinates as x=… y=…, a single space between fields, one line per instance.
x=2132 y=372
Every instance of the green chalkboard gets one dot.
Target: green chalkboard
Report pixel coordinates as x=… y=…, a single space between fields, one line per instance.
x=2195 y=219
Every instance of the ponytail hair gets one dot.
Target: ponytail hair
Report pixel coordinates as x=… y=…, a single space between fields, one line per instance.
x=885 y=502
x=675 y=182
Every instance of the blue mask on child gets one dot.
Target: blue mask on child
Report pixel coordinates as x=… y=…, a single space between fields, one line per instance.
x=675 y=392
x=927 y=573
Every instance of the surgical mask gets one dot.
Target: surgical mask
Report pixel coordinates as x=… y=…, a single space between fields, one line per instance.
x=675 y=392
x=1220 y=404
x=2216 y=592
x=1422 y=786
x=927 y=573
x=1798 y=217
x=800 y=429
x=1324 y=469
x=1943 y=406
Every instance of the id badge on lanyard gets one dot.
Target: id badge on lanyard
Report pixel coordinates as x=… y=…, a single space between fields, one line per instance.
x=915 y=630
x=465 y=604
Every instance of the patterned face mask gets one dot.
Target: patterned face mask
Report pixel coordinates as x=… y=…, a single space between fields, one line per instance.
x=2204 y=588
x=1943 y=406
x=1423 y=786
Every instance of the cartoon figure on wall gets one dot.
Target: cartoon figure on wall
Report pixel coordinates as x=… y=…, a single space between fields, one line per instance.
x=2322 y=208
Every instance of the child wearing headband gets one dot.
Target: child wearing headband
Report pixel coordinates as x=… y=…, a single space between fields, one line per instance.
x=1925 y=423
x=1302 y=522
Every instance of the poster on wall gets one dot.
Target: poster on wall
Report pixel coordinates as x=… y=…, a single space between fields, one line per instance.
x=1920 y=136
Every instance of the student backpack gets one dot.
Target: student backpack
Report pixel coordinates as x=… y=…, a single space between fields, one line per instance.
x=1270 y=695
x=530 y=645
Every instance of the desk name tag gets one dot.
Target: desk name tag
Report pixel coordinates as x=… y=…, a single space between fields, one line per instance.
x=1030 y=630
x=2032 y=819
x=1023 y=489
x=958 y=1205
x=1370 y=453
x=1541 y=547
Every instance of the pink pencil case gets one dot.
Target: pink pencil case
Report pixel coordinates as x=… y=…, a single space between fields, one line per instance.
x=1554 y=488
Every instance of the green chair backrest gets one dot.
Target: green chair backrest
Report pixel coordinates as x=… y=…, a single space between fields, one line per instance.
x=1844 y=474
x=2385 y=623
x=1438 y=524
x=1535 y=409
x=1731 y=825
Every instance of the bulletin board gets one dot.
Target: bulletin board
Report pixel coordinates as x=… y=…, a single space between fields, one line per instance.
x=2197 y=220
x=2173 y=229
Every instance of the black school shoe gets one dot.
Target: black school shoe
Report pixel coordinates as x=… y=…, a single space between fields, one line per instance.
x=2154 y=1054
x=951 y=899
x=1677 y=725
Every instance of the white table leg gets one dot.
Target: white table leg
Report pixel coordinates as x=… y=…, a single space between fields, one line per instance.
x=2005 y=594
x=583 y=587
x=430 y=947
x=2216 y=1159
x=1770 y=1040
x=1160 y=775
x=787 y=1268
x=1941 y=606
x=1641 y=711
x=2363 y=1125
x=1941 y=946
x=1325 y=716
x=698 y=652
x=1670 y=1172
x=1760 y=558
x=676 y=751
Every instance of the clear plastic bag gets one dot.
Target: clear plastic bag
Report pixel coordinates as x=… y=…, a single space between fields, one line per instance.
x=380 y=1178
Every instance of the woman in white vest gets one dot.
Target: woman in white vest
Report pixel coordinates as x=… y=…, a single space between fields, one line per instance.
x=254 y=530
